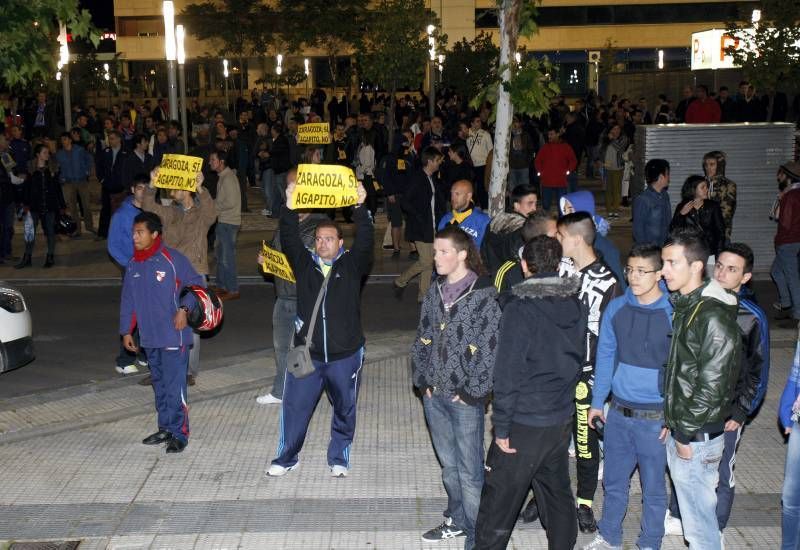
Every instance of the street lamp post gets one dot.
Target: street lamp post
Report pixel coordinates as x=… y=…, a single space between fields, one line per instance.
x=306 y=64
x=63 y=75
x=107 y=77
x=180 y=34
x=278 y=71
x=169 y=46
x=432 y=71
x=225 y=74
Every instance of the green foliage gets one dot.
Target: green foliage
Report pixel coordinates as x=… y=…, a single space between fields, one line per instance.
x=393 y=49
x=771 y=59
x=29 y=45
x=333 y=26
x=471 y=66
x=530 y=85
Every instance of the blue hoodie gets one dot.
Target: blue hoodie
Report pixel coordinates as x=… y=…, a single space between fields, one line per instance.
x=632 y=351
x=583 y=201
x=120 y=232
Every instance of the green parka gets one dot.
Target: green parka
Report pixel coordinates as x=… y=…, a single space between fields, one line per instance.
x=703 y=363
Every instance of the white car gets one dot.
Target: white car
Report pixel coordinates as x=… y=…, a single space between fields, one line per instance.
x=16 y=329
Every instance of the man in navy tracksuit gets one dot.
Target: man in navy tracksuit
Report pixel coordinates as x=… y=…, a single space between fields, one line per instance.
x=337 y=344
x=151 y=300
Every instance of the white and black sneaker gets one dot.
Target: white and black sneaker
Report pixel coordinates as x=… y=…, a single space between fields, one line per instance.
x=447 y=530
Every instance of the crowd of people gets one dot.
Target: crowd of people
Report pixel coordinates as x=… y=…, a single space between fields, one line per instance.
x=660 y=354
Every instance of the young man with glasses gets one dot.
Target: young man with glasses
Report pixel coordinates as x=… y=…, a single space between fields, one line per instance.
x=631 y=352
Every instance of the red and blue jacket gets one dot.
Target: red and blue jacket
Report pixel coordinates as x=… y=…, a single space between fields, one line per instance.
x=151 y=296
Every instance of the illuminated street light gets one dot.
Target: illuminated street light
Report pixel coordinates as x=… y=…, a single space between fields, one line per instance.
x=180 y=35
x=660 y=59
x=63 y=63
x=278 y=68
x=756 y=16
x=225 y=74
x=431 y=68
x=168 y=8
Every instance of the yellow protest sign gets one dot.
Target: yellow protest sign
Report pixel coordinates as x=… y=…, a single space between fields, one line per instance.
x=324 y=186
x=179 y=172
x=276 y=263
x=314 y=133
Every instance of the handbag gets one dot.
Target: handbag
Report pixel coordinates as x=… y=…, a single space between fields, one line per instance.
x=298 y=358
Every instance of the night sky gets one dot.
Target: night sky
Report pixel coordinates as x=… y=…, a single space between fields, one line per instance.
x=102 y=13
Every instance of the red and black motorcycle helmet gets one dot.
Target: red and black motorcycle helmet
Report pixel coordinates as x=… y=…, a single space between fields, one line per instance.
x=206 y=314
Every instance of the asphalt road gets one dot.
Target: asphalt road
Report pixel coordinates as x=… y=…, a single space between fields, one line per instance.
x=75 y=331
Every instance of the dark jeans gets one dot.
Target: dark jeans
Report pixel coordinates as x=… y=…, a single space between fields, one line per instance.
x=551 y=195
x=125 y=357
x=457 y=435
x=541 y=460
x=481 y=194
x=226 y=256
x=48 y=221
x=6 y=229
x=283 y=316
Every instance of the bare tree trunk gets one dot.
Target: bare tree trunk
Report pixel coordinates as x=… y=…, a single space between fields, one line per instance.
x=509 y=32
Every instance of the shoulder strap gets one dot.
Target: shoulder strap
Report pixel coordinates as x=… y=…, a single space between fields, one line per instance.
x=313 y=321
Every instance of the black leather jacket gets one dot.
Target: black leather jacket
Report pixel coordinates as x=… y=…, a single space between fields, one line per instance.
x=708 y=220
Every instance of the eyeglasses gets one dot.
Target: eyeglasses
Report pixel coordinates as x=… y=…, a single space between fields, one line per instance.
x=638 y=272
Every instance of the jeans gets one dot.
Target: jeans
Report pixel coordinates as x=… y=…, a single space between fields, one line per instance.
x=551 y=195
x=278 y=192
x=695 y=482
x=790 y=520
x=267 y=177
x=592 y=151
x=283 y=316
x=517 y=177
x=226 y=256
x=541 y=461
x=457 y=435
x=6 y=229
x=630 y=442
x=786 y=274
x=48 y=221
x=572 y=181
x=481 y=193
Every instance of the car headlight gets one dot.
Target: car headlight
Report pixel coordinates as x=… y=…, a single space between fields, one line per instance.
x=11 y=300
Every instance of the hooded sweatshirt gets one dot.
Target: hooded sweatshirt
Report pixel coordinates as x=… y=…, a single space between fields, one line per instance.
x=531 y=387
x=583 y=201
x=632 y=351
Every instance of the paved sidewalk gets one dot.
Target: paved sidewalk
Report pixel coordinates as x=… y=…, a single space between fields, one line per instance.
x=74 y=468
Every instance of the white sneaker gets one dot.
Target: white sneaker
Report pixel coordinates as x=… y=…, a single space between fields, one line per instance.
x=141 y=363
x=599 y=543
x=268 y=399
x=338 y=471
x=722 y=540
x=127 y=369
x=276 y=470
x=672 y=526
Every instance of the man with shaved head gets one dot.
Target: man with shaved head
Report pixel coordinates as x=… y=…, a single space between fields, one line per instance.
x=464 y=214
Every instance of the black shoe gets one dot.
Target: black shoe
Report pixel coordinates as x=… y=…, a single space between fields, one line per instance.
x=396 y=253
x=530 y=513
x=398 y=291
x=586 y=522
x=24 y=262
x=175 y=445
x=159 y=437
x=190 y=380
x=413 y=255
x=783 y=314
x=444 y=531
x=790 y=323
x=146 y=381
x=49 y=262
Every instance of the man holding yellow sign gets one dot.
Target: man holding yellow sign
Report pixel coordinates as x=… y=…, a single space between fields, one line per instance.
x=329 y=277
x=179 y=172
x=324 y=186
x=314 y=133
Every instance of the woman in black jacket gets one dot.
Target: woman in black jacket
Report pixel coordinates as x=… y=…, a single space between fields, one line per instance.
x=43 y=198
x=698 y=211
